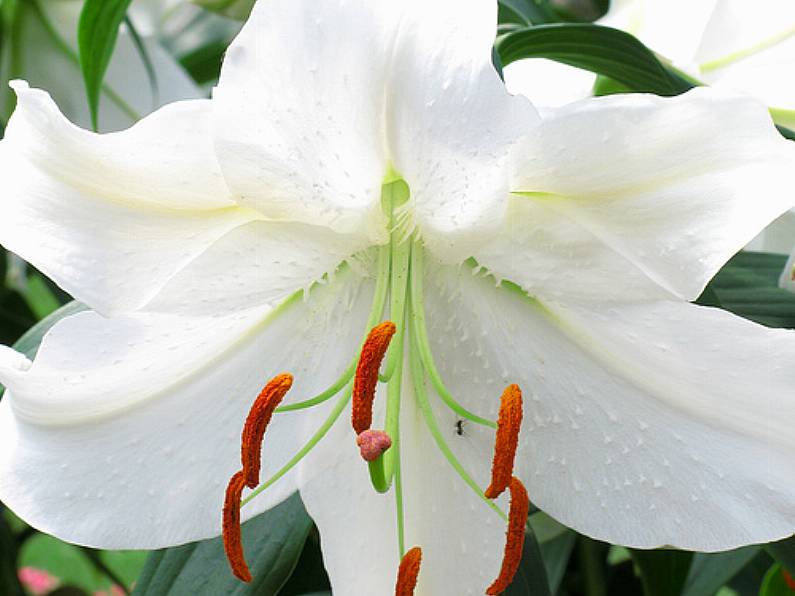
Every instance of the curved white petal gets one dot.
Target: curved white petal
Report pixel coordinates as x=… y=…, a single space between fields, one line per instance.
x=667 y=189
x=309 y=131
x=299 y=108
x=260 y=262
x=548 y=83
x=650 y=424
x=461 y=538
x=452 y=122
x=111 y=218
x=125 y=431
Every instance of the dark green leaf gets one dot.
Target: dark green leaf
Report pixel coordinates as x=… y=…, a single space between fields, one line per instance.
x=556 y=553
x=748 y=286
x=204 y=63
x=531 y=578
x=787 y=133
x=664 y=571
x=528 y=11
x=710 y=572
x=603 y=50
x=96 y=38
x=272 y=541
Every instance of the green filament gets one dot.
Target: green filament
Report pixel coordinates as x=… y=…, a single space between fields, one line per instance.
x=424 y=347
x=313 y=441
x=420 y=394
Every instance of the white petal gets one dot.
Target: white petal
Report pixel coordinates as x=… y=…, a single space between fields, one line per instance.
x=310 y=136
x=461 y=538
x=645 y=425
x=299 y=110
x=125 y=431
x=111 y=218
x=257 y=263
x=548 y=83
x=452 y=122
x=671 y=188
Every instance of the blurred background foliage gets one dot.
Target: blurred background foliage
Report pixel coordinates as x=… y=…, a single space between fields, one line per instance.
x=163 y=50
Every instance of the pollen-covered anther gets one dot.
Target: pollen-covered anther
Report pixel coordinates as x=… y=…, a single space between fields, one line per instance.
x=257 y=421
x=509 y=423
x=233 y=544
x=408 y=572
x=514 y=543
x=373 y=443
x=366 y=379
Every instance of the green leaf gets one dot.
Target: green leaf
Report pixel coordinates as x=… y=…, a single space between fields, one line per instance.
x=272 y=541
x=556 y=553
x=96 y=38
x=235 y=9
x=528 y=11
x=664 y=571
x=710 y=572
x=774 y=583
x=603 y=50
x=748 y=286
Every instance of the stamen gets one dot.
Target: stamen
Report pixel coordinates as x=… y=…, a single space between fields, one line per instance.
x=517 y=518
x=257 y=421
x=408 y=572
x=233 y=544
x=373 y=443
x=508 y=425
x=375 y=346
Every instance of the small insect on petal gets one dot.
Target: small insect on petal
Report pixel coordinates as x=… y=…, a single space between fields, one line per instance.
x=514 y=543
x=373 y=443
x=408 y=572
x=257 y=421
x=233 y=543
x=373 y=351
x=508 y=425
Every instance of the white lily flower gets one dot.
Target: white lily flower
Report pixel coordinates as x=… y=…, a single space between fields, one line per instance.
x=722 y=43
x=46 y=55
x=362 y=161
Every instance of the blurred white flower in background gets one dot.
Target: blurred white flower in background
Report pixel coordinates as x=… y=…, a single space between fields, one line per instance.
x=47 y=56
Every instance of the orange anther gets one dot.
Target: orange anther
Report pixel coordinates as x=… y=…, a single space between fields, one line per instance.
x=788 y=579
x=514 y=543
x=257 y=421
x=233 y=544
x=408 y=572
x=373 y=351
x=508 y=424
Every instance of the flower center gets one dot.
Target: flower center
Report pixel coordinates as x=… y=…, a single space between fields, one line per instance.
x=382 y=358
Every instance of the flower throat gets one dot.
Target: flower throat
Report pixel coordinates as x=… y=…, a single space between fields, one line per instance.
x=381 y=360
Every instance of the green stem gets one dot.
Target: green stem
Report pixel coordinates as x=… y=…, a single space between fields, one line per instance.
x=420 y=394
x=424 y=347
